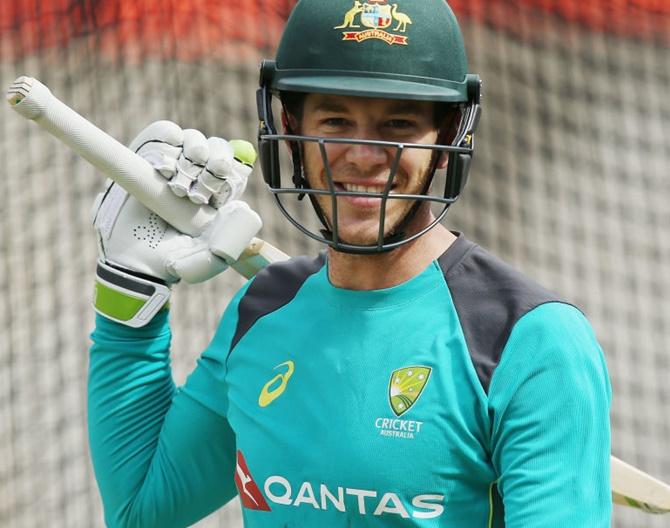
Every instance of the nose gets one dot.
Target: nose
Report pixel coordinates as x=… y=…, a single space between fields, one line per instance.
x=366 y=157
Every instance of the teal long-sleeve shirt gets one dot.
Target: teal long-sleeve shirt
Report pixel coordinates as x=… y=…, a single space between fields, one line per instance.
x=467 y=396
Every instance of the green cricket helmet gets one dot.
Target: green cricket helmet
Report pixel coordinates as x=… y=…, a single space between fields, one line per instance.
x=403 y=49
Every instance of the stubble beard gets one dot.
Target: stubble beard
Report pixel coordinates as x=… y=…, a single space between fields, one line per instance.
x=364 y=231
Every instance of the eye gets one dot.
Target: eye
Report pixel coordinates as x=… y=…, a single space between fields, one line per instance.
x=400 y=124
x=334 y=122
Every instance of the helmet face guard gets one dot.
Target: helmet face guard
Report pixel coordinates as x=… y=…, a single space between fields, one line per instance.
x=333 y=69
x=460 y=154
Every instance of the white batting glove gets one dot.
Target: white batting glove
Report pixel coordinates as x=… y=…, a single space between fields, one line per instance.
x=141 y=255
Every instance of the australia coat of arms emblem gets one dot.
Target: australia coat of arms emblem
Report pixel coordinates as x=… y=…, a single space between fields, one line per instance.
x=375 y=19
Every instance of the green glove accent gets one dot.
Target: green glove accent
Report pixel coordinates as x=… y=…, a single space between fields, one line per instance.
x=126 y=298
x=244 y=151
x=115 y=304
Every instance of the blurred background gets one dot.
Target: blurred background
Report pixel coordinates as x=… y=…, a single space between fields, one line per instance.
x=570 y=184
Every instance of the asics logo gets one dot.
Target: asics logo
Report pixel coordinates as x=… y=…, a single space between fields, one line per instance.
x=277 y=385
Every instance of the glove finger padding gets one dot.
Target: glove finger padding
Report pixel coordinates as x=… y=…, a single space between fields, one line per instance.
x=161 y=145
x=212 y=179
x=236 y=179
x=209 y=171
x=225 y=175
x=193 y=261
x=191 y=162
x=232 y=230
x=159 y=131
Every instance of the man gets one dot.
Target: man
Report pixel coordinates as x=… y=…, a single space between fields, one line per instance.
x=404 y=378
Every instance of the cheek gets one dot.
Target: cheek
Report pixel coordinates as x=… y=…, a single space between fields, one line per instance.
x=415 y=164
x=313 y=160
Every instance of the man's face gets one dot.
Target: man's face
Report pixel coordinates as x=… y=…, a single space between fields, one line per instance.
x=366 y=168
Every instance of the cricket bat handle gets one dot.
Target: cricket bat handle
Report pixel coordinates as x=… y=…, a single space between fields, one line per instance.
x=34 y=101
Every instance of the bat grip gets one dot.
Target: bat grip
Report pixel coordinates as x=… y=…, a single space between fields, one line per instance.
x=34 y=101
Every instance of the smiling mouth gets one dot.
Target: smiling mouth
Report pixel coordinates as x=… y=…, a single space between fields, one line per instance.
x=352 y=187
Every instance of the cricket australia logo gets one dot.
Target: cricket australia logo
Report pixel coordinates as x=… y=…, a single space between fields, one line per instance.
x=405 y=387
x=377 y=16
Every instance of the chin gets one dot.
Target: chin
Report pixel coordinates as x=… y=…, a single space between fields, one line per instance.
x=365 y=230
x=361 y=236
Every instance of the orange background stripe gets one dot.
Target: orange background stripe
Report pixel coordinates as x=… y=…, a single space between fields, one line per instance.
x=191 y=29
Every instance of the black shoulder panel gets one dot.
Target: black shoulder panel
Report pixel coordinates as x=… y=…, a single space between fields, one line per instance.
x=274 y=287
x=490 y=297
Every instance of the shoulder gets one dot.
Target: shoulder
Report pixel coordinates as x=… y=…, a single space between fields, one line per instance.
x=490 y=298
x=473 y=273
x=276 y=284
x=273 y=287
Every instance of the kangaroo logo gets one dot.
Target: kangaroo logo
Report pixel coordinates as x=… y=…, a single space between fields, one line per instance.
x=350 y=17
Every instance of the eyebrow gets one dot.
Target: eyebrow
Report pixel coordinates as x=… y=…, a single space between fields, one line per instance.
x=328 y=104
x=406 y=107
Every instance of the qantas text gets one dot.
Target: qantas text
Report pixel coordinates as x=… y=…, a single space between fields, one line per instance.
x=367 y=502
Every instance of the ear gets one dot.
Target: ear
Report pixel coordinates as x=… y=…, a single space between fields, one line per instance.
x=288 y=123
x=447 y=134
x=284 y=121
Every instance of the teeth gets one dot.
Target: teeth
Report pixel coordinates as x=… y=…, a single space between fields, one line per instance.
x=363 y=188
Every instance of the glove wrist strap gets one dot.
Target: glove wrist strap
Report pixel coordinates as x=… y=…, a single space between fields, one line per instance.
x=126 y=298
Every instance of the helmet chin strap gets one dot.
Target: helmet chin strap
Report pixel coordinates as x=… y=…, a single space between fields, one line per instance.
x=301 y=182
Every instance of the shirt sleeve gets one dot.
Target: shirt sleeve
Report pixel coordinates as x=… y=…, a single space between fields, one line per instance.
x=549 y=399
x=163 y=457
